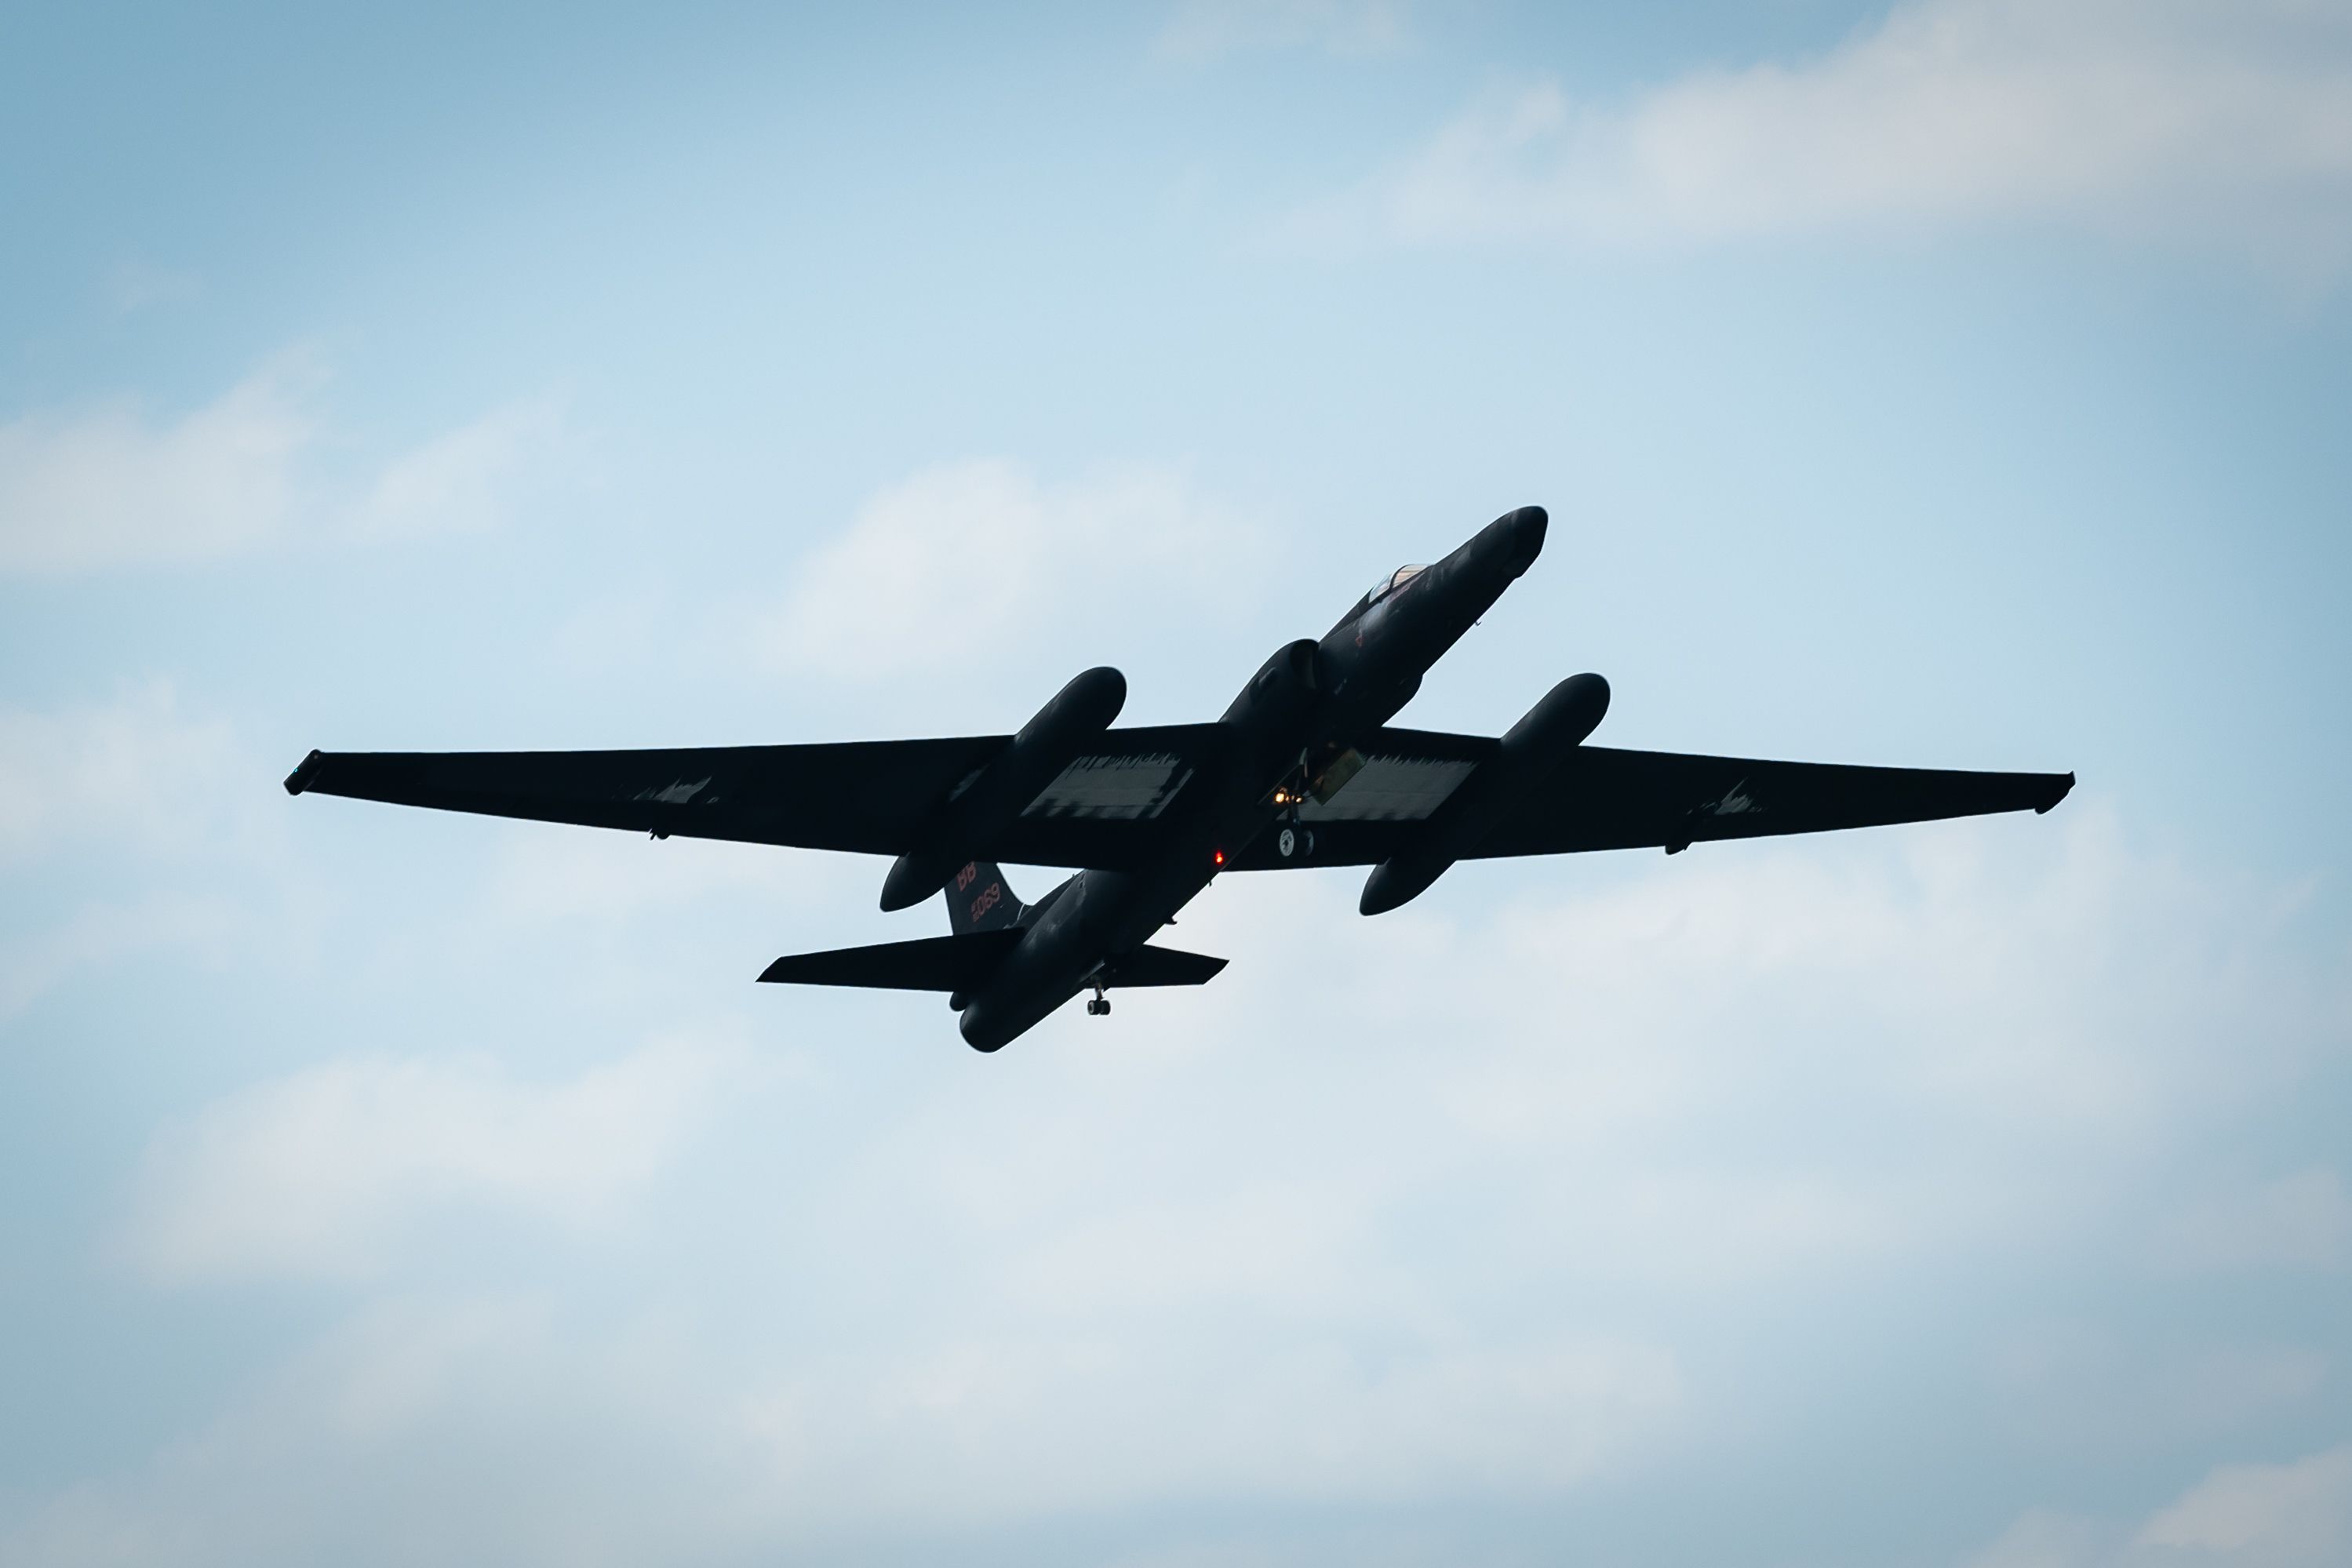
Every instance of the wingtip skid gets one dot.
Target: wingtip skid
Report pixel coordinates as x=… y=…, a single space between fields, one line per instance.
x=304 y=771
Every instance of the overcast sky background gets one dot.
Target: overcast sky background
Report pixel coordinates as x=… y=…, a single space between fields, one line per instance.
x=1964 y=384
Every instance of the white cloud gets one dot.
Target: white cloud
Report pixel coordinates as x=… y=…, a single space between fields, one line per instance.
x=1492 y=1200
x=2069 y=985
x=115 y=488
x=129 y=827
x=2276 y=1516
x=2210 y=123
x=2293 y=1515
x=464 y=479
x=1204 y=29
x=1648 y=1073
x=1008 y=1423
x=323 y=1174
x=508 y=1429
x=2044 y=1538
x=613 y=879
x=454 y=1429
x=103 y=935
x=138 y=772
x=940 y=575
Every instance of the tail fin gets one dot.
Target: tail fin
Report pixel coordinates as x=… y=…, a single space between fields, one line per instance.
x=979 y=899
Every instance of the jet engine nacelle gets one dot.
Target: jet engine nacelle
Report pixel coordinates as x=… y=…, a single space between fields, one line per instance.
x=1529 y=753
x=1058 y=735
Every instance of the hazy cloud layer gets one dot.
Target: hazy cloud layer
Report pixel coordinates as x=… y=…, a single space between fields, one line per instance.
x=950 y=571
x=90 y=791
x=502 y=1429
x=2284 y=1514
x=996 y=1306
x=323 y=1172
x=2203 y=122
x=116 y=486
x=139 y=773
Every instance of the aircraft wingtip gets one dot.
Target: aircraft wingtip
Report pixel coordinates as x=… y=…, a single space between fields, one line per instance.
x=304 y=771
x=2065 y=790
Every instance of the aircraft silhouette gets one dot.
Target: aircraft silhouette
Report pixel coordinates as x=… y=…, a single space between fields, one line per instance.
x=1302 y=771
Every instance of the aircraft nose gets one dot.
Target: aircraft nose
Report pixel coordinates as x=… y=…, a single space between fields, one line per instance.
x=1517 y=537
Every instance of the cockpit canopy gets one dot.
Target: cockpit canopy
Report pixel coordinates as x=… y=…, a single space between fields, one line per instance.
x=1391 y=582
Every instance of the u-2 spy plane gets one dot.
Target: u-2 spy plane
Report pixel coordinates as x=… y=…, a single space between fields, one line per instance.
x=1303 y=769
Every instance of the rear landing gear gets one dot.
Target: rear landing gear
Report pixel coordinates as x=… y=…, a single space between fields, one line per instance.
x=1099 y=1005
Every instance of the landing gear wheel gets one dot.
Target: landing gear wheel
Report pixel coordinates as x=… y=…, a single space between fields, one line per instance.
x=1293 y=843
x=1099 y=1005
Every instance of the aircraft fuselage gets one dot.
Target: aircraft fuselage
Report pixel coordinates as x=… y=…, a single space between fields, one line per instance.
x=1296 y=721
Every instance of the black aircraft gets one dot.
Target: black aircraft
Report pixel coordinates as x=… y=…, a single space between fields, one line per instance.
x=1302 y=771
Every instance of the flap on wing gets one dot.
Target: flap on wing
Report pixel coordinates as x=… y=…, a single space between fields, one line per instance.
x=1125 y=786
x=929 y=964
x=1406 y=775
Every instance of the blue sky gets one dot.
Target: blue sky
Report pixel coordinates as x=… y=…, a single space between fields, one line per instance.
x=1960 y=384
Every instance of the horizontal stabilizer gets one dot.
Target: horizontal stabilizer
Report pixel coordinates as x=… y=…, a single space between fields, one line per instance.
x=1161 y=966
x=929 y=964
x=964 y=964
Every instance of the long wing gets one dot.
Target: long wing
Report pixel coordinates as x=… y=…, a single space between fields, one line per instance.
x=1103 y=809
x=871 y=797
x=1605 y=799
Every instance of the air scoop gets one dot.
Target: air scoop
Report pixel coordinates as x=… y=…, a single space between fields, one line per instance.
x=966 y=824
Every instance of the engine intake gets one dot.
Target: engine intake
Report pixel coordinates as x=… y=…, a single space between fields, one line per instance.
x=1284 y=688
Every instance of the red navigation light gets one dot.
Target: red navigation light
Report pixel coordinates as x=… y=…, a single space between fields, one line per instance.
x=1217 y=857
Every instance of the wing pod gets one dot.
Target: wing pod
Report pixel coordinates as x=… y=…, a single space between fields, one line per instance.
x=1532 y=749
x=964 y=826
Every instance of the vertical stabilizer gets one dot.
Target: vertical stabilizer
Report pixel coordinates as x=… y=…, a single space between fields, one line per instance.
x=979 y=899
